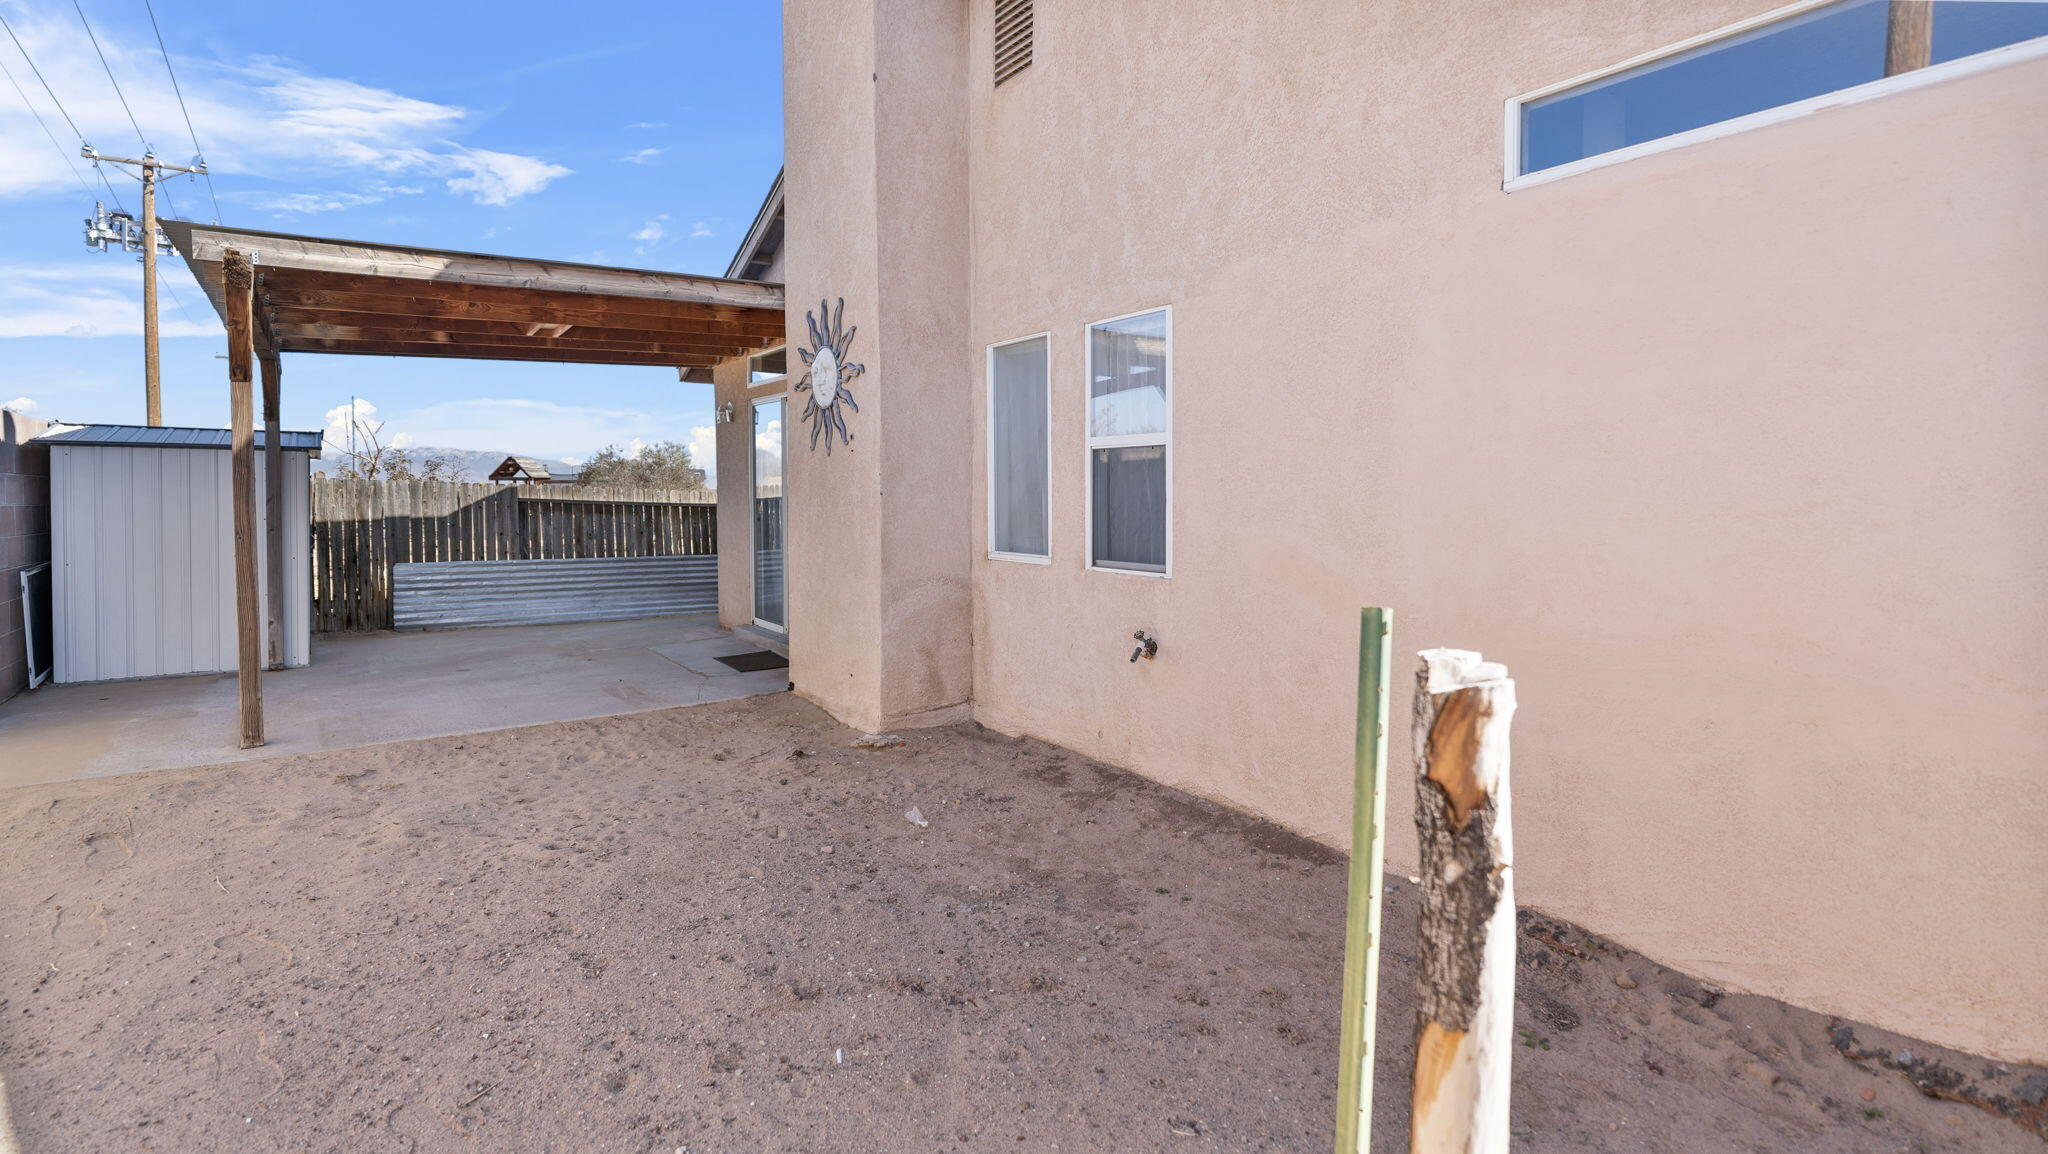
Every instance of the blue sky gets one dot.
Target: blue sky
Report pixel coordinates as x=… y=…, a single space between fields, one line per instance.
x=641 y=134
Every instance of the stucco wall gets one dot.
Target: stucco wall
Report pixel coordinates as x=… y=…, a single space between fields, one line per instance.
x=879 y=552
x=1732 y=454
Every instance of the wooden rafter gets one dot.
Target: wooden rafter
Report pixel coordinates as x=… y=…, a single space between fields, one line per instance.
x=444 y=267
x=399 y=294
x=292 y=316
x=485 y=353
x=292 y=336
x=580 y=311
x=316 y=295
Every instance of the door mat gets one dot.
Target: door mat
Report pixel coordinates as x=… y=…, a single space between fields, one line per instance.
x=755 y=660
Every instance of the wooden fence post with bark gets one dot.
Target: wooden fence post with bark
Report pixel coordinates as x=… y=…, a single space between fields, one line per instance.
x=1465 y=964
x=237 y=286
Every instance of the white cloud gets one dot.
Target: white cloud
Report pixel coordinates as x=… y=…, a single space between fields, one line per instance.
x=339 y=428
x=500 y=177
x=634 y=449
x=99 y=296
x=312 y=202
x=263 y=117
x=651 y=235
x=22 y=405
x=700 y=229
x=704 y=451
x=648 y=124
x=641 y=156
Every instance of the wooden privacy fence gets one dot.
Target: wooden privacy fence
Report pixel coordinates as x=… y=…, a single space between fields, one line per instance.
x=362 y=528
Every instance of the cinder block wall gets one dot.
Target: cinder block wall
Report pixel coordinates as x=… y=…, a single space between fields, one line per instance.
x=24 y=535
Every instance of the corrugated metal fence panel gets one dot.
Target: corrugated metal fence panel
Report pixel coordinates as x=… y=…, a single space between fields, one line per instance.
x=457 y=594
x=363 y=528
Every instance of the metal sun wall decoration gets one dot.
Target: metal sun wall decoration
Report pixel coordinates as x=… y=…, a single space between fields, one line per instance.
x=825 y=409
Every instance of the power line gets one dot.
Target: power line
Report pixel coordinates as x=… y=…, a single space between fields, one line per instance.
x=187 y=113
x=82 y=181
x=68 y=163
x=61 y=110
x=39 y=76
x=137 y=125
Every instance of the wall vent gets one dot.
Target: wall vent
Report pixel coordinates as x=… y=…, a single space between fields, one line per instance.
x=1013 y=38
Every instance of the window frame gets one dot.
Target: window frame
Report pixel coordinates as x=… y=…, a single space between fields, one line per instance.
x=753 y=514
x=1090 y=442
x=1511 y=159
x=989 y=399
x=782 y=348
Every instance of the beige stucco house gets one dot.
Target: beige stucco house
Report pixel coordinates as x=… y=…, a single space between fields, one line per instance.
x=1711 y=403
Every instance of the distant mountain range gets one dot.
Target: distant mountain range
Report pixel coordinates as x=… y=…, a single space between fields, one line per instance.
x=476 y=463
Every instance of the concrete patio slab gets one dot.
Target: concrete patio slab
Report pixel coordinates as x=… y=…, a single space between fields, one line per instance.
x=363 y=689
x=703 y=656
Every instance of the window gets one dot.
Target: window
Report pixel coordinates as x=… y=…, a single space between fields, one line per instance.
x=1782 y=64
x=1129 y=421
x=772 y=365
x=1019 y=421
x=1012 y=38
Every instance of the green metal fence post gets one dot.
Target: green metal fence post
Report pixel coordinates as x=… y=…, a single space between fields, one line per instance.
x=1368 y=878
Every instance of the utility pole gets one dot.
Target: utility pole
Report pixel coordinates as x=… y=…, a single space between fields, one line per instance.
x=120 y=228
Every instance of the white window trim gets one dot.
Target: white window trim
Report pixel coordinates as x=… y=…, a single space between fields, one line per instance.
x=1090 y=443
x=753 y=530
x=989 y=396
x=1904 y=81
x=754 y=384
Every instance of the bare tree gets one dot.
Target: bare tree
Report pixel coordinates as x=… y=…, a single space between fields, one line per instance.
x=662 y=465
x=367 y=457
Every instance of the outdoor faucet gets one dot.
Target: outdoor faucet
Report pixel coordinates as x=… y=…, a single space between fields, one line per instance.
x=1148 y=647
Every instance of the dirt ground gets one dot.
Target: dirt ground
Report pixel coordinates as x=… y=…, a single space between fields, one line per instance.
x=670 y=931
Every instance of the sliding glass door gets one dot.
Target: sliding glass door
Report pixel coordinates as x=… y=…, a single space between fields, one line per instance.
x=768 y=582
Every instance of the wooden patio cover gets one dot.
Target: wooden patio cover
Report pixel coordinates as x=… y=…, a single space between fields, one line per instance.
x=315 y=295
x=308 y=294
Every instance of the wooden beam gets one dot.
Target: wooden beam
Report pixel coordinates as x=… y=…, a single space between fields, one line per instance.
x=484 y=353
x=433 y=336
x=283 y=251
x=289 y=315
x=1465 y=960
x=273 y=504
x=238 y=285
x=750 y=337
x=1909 y=36
x=1360 y=1004
x=303 y=280
x=523 y=306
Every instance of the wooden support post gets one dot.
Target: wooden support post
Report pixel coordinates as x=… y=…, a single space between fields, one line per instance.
x=238 y=284
x=273 y=490
x=152 y=387
x=1368 y=878
x=1465 y=963
x=1909 y=36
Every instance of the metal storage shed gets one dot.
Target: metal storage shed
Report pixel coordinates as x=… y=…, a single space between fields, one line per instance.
x=142 y=550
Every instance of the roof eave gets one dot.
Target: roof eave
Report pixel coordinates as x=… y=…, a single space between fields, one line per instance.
x=770 y=205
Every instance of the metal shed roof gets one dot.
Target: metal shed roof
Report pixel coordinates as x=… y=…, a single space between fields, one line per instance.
x=158 y=437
